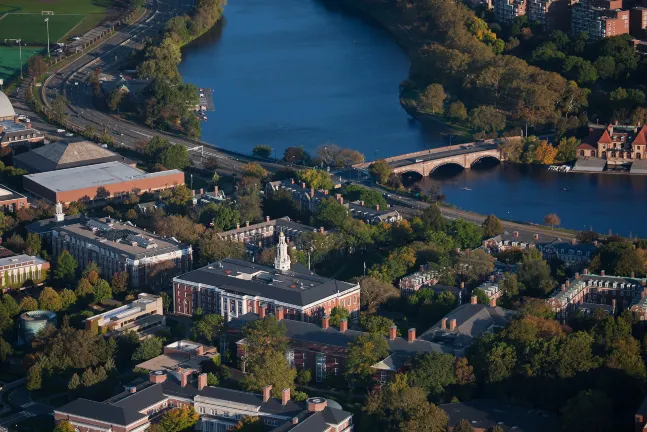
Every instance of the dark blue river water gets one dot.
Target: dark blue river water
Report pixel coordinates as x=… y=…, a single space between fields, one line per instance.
x=304 y=73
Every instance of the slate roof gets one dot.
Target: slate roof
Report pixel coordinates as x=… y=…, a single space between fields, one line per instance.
x=294 y=287
x=142 y=399
x=47 y=225
x=63 y=154
x=484 y=414
x=102 y=412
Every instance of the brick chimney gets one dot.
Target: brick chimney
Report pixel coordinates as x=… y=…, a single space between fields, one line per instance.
x=601 y=272
x=361 y=203
x=201 y=191
x=291 y=181
x=393 y=332
x=633 y=275
x=246 y=224
x=577 y=275
x=267 y=393
x=567 y=283
x=184 y=378
x=237 y=226
x=516 y=234
x=452 y=324
x=262 y=311
x=343 y=325
x=443 y=323
x=493 y=302
x=267 y=218
x=303 y=185
x=193 y=192
x=322 y=230
x=462 y=285
x=280 y=313
x=474 y=300
x=132 y=389
x=215 y=191
x=377 y=207
x=534 y=237
x=563 y=287
x=312 y=192
x=411 y=335
x=341 y=200
x=325 y=322
x=285 y=396
x=491 y=278
x=586 y=271
x=202 y=381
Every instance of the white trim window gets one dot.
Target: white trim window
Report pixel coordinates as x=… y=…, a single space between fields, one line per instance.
x=289 y=355
x=320 y=366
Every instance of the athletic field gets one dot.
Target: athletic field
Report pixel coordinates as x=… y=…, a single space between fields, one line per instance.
x=10 y=59
x=23 y=19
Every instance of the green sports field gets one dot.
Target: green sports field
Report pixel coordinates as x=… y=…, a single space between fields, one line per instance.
x=10 y=59
x=23 y=18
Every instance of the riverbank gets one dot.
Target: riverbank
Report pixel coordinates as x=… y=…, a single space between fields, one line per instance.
x=382 y=14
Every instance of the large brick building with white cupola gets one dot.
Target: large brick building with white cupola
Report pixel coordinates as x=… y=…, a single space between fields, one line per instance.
x=233 y=288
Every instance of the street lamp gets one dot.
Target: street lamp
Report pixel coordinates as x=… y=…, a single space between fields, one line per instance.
x=47 y=23
x=20 y=49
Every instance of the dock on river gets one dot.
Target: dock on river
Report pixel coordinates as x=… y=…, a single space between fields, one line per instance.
x=206 y=100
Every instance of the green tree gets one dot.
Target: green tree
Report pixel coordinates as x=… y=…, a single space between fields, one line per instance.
x=263 y=151
x=466 y=234
x=500 y=360
x=102 y=291
x=223 y=216
x=364 y=352
x=114 y=99
x=337 y=314
x=119 y=282
x=74 y=382
x=34 y=378
x=65 y=267
x=463 y=426
x=207 y=328
x=456 y=111
x=28 y=304
x=315 y=178
x=254 y=169
x=174 y=156
x=432 y=218
x=567 y=149
x=487 y=119
x=433 y=98
x=64 y=426
x=271 y=368
x=330 y=214
x=148 y=348
x=590 y=410
x=304 y=377
x=84 y=288
x=33 y=244
x=433 y=372
x=296 y=155
x=534 y=273
x=482 y=298
x=213 y=248
x=492 y=226
x=5 y=350
x=605 y=66
x=68 y=298
x=576 y=355
x=380 y=170
x=552 y=220
x=212 y=379
x=249 y=424
x=10 y=305
x=179 y=419
x=376 y=324
x=375 y=293
x=50 y=300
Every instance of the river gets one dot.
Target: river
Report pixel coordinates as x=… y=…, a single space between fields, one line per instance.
x=304 y=73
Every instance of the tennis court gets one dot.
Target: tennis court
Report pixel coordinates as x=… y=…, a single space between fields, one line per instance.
x=10 y=59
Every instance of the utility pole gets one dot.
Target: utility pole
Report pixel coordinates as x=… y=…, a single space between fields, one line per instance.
x=20 y=49
x=47 y=23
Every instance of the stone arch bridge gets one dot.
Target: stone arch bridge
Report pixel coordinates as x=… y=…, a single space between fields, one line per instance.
x=426 y=161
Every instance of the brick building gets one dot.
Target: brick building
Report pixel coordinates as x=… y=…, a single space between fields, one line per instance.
x=618 y=144
x=551 y=14
x=308 y=199
x=121 y=247
x=599 y=19
x=266 y=234
x=506 y=11
x=74 y=184
x=233 y=288
x=638 y=22
x=585 y=291
x=218 y=408
x=11 y=201
x=22 y=271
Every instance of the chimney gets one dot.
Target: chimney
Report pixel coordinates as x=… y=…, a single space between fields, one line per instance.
x=633 y=275
x=574 y=241
x=291 y=181
x=568 y=284
x=361 y=203
x=563 y=287
x=491 y=278
x=393 y=332
x=237 y=226
x=535 y=237
x=613 y=304
x=312 y=192
x=303 y=185
x=261 y=311
x=215 y=191
x=411 y=335
x=516 y=234
x=202 y=381
x=443 y=323
x=343 y=325
x=201 y=191
x=325 y=192
x=280 y=313
x=474 y=300
x=325 y=322
x=193 y=192
x=132 y=389
x=493 y=302
x=601 y=272
x=267 y=393
x=586 y=271
x=338 y=197
x=458 y=250
x=184 y=378
x=462 y=285
x=157 y=377
x=285 y=396
x=321 y=230
x=267 y=218
x=341 y=200
x=377 y=207
x=452 y=324
x=577 y=275
x=247 y=224
x=295 y=420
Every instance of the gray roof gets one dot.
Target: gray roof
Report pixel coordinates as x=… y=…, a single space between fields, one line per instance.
x=20 y=259
x=142 y=399
x=92 y=176
x=292 y=287
x=47 y=225
x=102 y=412
x=9 y=194
x=63 y=155
x=484 y=414
x=280 y=223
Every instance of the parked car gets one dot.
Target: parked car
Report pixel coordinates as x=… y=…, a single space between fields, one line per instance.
x=69 y=134
x=60 y=130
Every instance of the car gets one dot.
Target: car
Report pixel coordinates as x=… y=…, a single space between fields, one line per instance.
x=418 y=160
x=60 y=130
x=22 y=117
x=69 y=134
x=76 y=83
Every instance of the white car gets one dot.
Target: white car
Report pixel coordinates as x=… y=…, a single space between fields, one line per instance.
x=69 y=134
x=60 y=130
x=21 y=117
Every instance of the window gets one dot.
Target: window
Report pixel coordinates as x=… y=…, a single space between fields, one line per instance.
x=383 y=377
x=289 y=355
x=321 y=366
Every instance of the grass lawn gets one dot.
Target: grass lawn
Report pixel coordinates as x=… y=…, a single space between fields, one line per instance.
x=10 y=59
x=23 y=18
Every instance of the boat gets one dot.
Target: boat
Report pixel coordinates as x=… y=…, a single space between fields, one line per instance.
x=466 y=189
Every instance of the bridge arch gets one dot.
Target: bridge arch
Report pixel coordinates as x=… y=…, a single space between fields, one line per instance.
x=413 y=172
x=442 y=164
x=485 y=157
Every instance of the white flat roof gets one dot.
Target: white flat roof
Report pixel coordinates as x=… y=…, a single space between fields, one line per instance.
x=92 y=175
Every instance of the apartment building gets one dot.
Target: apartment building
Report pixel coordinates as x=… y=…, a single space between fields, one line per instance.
x=506 y=11
x=599 y=18
x=143 y=316
x=308 y=200
x=233 y=288
x=266 y=234
x=611 y=293
x=551 y=14
x=218 y=408
x=122 y=247
x=638 y=22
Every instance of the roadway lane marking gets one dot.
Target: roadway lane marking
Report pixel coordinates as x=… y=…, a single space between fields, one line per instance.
x=147 y=136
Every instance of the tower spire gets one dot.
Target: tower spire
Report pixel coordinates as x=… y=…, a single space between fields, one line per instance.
x=282 y=261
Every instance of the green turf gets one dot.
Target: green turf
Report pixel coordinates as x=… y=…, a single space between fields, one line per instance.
x=32 y=28
x=10 y=59
x=82 y=7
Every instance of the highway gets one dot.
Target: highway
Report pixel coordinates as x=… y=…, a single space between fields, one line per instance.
x=72 y=80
